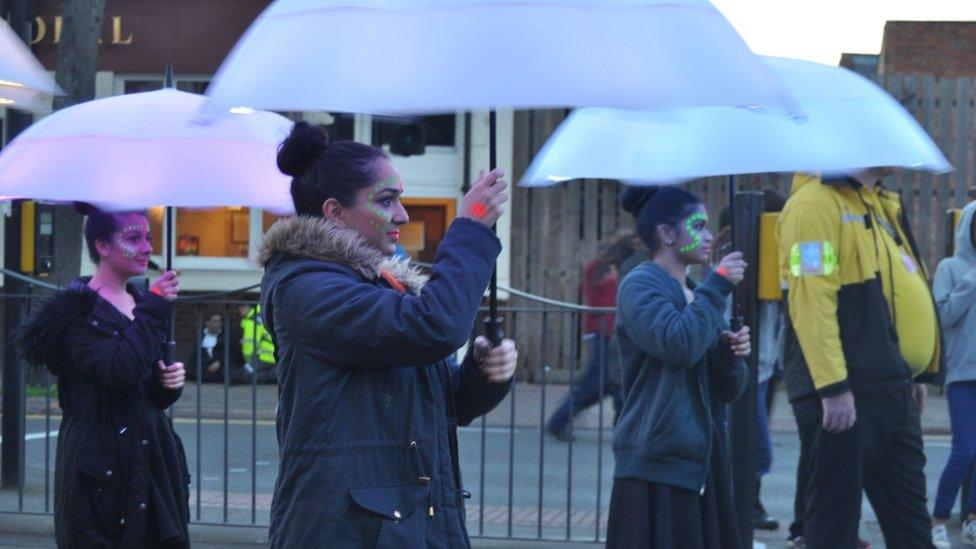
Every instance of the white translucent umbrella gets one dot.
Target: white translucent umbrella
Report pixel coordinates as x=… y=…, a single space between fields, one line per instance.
x=137 y=150
x=426 y=56
x=144 y=149
x=850 y=123
x=24 y=84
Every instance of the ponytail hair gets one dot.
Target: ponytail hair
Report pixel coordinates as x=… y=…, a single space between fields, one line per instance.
x=321 y=169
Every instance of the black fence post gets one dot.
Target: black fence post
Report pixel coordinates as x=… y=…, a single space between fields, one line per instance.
x=13 y=372
x=742 y=425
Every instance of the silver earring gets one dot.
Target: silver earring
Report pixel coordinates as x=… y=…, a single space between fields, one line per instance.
x=670 y=242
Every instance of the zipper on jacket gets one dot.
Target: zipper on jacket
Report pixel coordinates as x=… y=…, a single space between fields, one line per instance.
x=423 y=479
x=703 y=392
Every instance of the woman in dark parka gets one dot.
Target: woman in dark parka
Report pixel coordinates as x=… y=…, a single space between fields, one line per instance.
x=672 y=481
x=120 y=474
x=369 y=394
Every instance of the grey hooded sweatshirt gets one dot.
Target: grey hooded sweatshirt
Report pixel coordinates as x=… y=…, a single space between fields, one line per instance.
x=955 y=295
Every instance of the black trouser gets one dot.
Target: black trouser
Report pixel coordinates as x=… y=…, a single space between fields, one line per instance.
x=807 y=425
x=883 y=455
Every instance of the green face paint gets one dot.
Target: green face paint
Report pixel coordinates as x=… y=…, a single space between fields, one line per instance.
x=384 y=219
x=696 y=239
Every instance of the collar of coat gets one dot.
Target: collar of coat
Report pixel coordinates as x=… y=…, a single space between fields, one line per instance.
x=40 y=338
x=323 y=239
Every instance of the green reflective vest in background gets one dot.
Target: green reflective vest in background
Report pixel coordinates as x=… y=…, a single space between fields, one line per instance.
x=253 y=332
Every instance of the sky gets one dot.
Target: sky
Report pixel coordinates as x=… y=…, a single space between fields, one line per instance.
x=820 y=30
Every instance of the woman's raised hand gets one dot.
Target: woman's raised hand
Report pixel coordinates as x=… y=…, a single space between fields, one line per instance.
x=485 y=201
x=732 y=267
x=167 y=286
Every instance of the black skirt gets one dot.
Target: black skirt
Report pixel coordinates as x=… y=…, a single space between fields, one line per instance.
x=645 y=515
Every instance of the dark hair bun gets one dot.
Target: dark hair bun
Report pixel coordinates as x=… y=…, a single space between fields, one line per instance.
x=84 y=208
x=302 y=146
x=634 y=198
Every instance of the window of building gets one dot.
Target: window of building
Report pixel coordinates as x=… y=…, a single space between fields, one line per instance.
x=145 y=84
x=440 y=130
x=429 y=219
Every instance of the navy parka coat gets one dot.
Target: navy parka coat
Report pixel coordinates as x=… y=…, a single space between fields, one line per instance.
x=120 y=475
x=369 y=396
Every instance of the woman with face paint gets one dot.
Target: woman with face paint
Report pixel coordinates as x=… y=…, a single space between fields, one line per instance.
x=120 y=477
x=681 y=365
x=370 y=395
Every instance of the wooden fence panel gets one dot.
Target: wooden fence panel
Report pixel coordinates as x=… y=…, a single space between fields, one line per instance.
x=557 y=229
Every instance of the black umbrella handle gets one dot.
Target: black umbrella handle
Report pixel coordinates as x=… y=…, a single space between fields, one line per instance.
x=169 y=352
x=494 y=330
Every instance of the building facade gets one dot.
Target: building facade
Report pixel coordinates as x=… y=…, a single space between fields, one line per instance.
x=215 y=248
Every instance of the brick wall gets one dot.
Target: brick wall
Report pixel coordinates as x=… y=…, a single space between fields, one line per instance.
x=936 y=48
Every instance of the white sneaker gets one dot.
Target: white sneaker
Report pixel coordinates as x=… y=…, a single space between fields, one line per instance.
x=756 y=544
x=969 y=533
x=940 y=536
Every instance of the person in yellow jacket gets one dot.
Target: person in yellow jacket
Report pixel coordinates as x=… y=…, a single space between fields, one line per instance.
x=256 y=345
x=864 y=337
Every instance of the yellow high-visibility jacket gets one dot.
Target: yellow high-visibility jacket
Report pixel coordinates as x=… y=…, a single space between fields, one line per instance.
x=253 y=331
x=858 y=296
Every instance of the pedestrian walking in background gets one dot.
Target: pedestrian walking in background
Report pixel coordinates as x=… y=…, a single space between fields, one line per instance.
x=370 y=396
x=862 y=339
x=601 y=376
x=955 y=296
x=120 y=474
x=681 y=365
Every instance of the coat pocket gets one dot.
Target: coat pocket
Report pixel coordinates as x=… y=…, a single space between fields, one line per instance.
x=400 y=510
x=99 y=493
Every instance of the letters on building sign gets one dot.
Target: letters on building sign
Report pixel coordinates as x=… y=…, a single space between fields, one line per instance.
x=48 y=30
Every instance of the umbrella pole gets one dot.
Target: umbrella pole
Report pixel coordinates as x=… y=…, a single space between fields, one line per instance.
x=736 y=321
x=494 y=328
x=169 y=355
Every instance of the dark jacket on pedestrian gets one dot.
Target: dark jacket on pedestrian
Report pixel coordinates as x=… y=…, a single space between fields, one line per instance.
x=207 y=357
x=369 y=398
x=677 y=377
x=120 y=476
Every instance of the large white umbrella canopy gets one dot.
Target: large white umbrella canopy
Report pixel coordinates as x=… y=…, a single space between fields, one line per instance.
x=850 y=123
x=427 y=56
x=144 y=149
x=24 y=84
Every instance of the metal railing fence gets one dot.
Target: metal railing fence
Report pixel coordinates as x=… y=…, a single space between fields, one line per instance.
x=525 y=483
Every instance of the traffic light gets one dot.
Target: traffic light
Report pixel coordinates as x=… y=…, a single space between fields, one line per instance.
x=408 y=139
x=36 y=238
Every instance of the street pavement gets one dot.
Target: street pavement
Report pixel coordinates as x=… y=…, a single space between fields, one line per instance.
x=234 y=462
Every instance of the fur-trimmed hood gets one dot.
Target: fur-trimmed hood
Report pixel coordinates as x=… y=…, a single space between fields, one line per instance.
x=322 y=239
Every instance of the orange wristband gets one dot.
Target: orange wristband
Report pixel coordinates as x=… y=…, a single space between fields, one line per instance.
x=156 y=291
x=722 y=271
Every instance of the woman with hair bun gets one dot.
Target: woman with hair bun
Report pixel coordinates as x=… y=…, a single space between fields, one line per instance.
x=120 y=475
x=681 y=365
x=369 y=393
